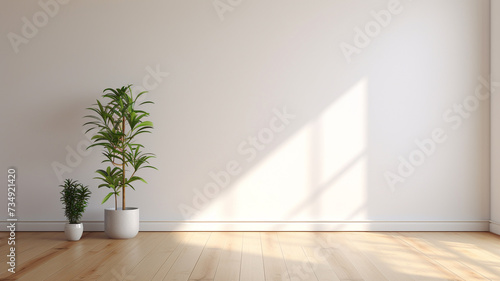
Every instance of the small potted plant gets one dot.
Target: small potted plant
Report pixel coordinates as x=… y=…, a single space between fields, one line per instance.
x=117 y=122
x=75 y=198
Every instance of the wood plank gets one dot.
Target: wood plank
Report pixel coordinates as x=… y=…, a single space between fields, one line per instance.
x=90 y=260
x=480 y=260
x=64 y=255
x=441 y=256
x=204 y=256
x=486 y=241
x=185 y=263
x=365 y=268
x=184 y=240
x=317 y=252
x=335 y=256
x=120 y=251
x=297 y=263
x=407 y=260
x=149 y=266
x=252 y=263
x=48 y=245
x=274 y=263
x=207 y=264
x=383 y=256
x=19 y=238
x=119 y=270
x=230 y=260
x=19 y=245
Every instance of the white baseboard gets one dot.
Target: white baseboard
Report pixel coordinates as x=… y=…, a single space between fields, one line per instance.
x=495 y=227
x=273 y=226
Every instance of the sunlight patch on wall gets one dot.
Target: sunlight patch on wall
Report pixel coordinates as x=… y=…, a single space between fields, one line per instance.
x=338 y=163
x=319 y=172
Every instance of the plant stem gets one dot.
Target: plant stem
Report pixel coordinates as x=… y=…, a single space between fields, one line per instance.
x=123 y=161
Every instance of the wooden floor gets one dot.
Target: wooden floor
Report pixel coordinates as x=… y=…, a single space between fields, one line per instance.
x=235 y=256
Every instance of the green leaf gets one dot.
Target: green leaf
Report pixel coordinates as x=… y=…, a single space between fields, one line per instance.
x=146 y=123
x=150 y=167
x=135 y=178
x=107 y=197
x=140 y=94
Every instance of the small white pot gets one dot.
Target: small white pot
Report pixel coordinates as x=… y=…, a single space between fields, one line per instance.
x=121 y=224
x=73 y=232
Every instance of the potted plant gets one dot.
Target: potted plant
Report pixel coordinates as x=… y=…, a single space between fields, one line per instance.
x=117 y=122
x=75 y=198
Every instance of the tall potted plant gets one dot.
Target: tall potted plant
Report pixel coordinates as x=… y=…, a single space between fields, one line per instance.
x=75 y=198
x=117 y=122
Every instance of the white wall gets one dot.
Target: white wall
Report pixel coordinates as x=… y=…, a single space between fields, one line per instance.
x=228 y=75
x=495 y=118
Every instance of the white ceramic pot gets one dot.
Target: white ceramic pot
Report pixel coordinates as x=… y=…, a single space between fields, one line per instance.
x=73 y=232
x=121 y=224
